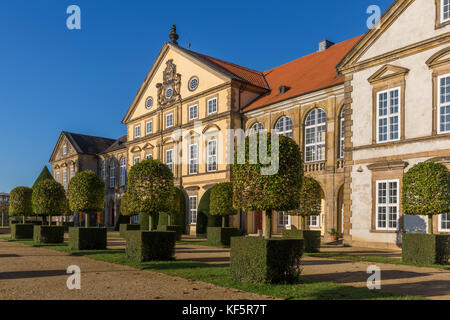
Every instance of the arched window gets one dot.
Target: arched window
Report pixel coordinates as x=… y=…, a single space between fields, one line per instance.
x=315 y=133
x=104 y=171
x=256 y=128
x=284 y=126
x=112 y=174
x=341 y=134
x=123 y=171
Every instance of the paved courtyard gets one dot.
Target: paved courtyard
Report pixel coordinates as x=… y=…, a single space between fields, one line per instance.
x=29 y=273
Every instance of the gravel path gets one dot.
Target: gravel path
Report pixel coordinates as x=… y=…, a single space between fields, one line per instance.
x=37 y=273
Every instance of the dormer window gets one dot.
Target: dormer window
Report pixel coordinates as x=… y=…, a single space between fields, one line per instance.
x=283 y=89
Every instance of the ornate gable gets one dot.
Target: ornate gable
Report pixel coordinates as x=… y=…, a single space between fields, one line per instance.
x=170 y=90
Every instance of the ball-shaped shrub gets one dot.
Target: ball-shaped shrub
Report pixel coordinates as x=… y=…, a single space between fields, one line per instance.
x=221 y=201
x=86 y=193
x=254 y=189
x=426 y=190
x=49 y=198
x=20 y=202
x=150 y=188
x=310 y=199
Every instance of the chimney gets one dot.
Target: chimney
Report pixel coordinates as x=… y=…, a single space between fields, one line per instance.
x=324 y=45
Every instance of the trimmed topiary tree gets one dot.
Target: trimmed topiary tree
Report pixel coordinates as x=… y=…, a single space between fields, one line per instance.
x=221 y=205
x=426 y=191
x=150 y=189
x=49 y=199
x=221 y=201
x=175 y=219
x=87 y=194
x=150 y=192
x=126 y=212
x=44 y=175
x=20 y=205
x=280 y=190
x=310 y=200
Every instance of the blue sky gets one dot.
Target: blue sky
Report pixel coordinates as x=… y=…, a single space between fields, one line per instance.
x=54 y=79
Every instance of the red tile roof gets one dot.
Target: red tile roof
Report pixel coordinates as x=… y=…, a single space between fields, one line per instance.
x=253 y=77
x=307 y=74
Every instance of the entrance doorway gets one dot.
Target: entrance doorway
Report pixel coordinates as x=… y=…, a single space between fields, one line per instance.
x=258 y=221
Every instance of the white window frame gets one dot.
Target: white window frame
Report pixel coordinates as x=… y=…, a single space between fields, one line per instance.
x=211 y=159
x=193 y=158
x=137 y=131
x=387 y=205
x=58 y=177
x=442 y=12
x=315 y=219
x=149 y=156
x=389 y=115
x=169 y=163
x=212 y=105
x=315 y=127
x=440 y=229
x=72 y=173
x=149 y=127
x=123 y=171
x=112 y=174
x=64 y=150
x=282 y=127
x=136 y=160
x=194 y=110
x=440 y=105
x=342 y=134
x=283 y=219
x=104 y=170
x=169 y=124
x=193 y=211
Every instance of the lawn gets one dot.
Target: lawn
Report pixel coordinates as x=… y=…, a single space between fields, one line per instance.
x=219 y=275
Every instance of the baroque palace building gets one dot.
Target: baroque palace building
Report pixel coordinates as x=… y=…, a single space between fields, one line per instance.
x=363 y=111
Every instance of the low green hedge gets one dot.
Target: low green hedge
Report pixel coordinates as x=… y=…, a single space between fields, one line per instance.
x=257 y=260
x=150 y=245
x=222 y=236
x=87 y=238
x=178 y=229
x=22 y=231
x=311 y=239
x=425 y=248
x=128 y=227
x=48 y=234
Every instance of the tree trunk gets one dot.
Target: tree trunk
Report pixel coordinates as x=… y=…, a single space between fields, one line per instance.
x=303 y=223
x=131 y=219
x=23 y=219
x=268 y=231
x=168 y=220
x=223 y=221
x=150 y=222
x=87 y=220
x=430 y=224
x=50 y=220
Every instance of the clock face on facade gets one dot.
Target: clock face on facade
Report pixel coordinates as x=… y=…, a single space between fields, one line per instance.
x=149 y=103
x=193 y=84
x=169 y=93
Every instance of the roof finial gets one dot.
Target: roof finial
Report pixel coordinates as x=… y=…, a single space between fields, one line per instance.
x=173 y=35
